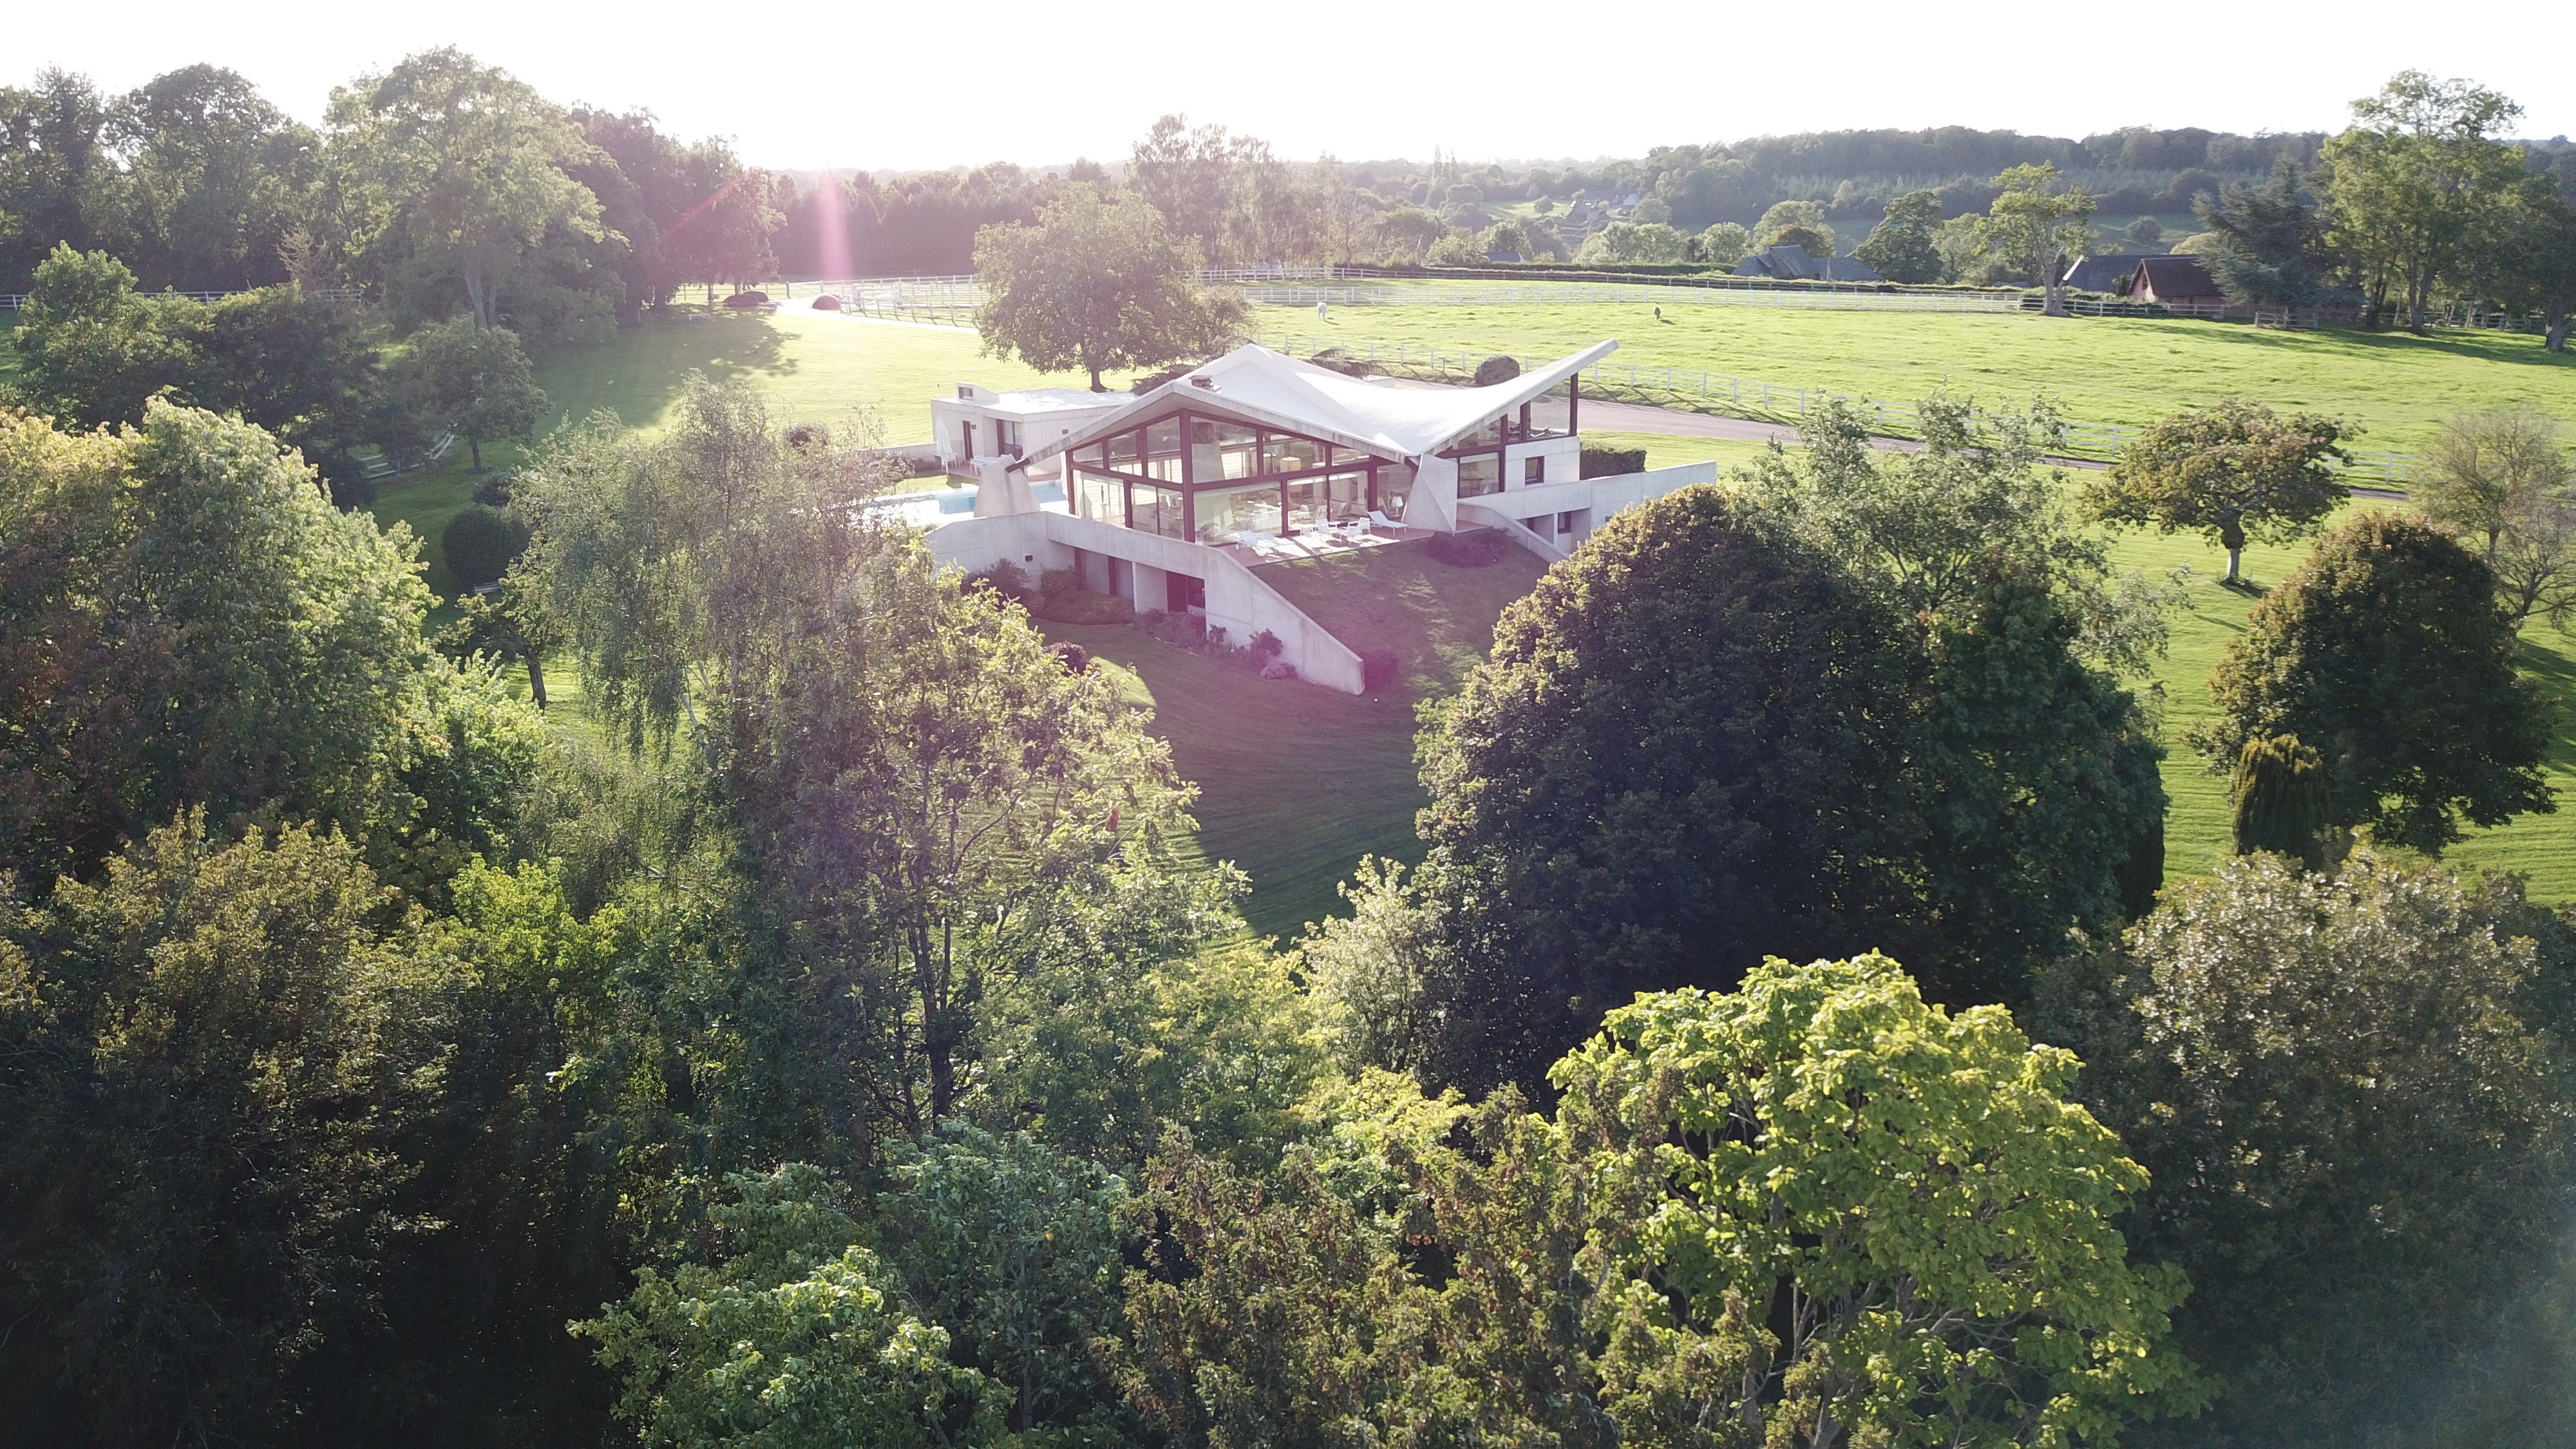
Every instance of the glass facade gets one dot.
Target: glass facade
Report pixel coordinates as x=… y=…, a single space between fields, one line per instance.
x=1480 y=474
x=1225 y=512
x=1155 y=510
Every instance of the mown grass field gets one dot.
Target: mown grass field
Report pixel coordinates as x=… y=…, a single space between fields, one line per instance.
x=2397 y=387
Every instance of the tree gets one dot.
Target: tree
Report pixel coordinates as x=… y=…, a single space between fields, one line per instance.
x=1720 y=781
x=794 y=1336
x=91 y=351
x=1410 y=229
x=1831 y=1214
x=2233 y=470
x=2269 y=241
x=1097 y=286
x=2344 y=1087
x=1805 y=218
x=1014 y=1248
x=54 y=171
x=724 y=235
x=1900 y=247
x=1724 y=244
x=2533 y=267
x=2035 y=770
x=445 y=171
x=933 y=814
x=474 y=382
x=479 y=543
x=2036 y=222
x=2484 y=473
x=2282 y=804
x=1623 y=242
x=184 y=619
x=2386 y=652
x=212 y=177
x=214 y=1061
x=2417 y=181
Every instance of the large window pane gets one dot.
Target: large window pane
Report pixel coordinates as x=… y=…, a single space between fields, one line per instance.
x=1122 y=453
x=1238 y=451
x=1305 y=502
x=1163 y=450
x=1346 y=496
x=1291 y=455
x=1486 y=436
x=1480 y=474
x=1101 y=497
x=1158 y=510
x=1225 y=512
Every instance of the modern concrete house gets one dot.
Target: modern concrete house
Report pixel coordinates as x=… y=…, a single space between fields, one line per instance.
x=1178 y=498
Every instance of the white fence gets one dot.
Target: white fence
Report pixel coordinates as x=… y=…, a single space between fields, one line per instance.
x=1693 y=390
x=14 y=301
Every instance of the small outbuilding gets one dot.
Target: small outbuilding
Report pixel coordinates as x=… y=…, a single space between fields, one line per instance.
x=2175 y=281
x=2104 y=271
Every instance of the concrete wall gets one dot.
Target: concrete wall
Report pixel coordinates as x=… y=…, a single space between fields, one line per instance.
x=1237 y=600
x=1597 y=498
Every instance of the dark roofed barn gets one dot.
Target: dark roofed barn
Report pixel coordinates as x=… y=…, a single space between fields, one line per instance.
x=2175 y=281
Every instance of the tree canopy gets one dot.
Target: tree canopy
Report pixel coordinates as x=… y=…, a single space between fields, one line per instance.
x=1097 y=285
x=2386 y=653
x=2233 y=470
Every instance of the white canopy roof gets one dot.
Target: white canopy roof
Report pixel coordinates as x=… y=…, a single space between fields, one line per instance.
x=1393 y=422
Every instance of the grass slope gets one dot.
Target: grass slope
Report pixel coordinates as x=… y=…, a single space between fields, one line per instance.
x=876 y=376
x=1297 y=783
x=2105 y=370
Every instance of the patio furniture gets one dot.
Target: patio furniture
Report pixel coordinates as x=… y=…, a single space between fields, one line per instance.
x=1379 y=520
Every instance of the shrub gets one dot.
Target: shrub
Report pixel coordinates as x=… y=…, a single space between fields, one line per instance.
x=1074 y=658
x=827 y=303
x=1497 y=368
x=494 y=492
x=744 y=300
x=1265 y=647
x=1377 y=669
x=1052 y=582
x=1081 y=606
x=1003 y=578
x=1475 y=549
x=1189 y=631
x=1612 y=462
x=479 y=543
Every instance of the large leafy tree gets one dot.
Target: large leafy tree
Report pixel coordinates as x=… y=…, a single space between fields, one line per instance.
x=213 y=1061
x=2268 y=241
x=91 y=351
x=2036 y=222
x=443 y=172
x=2234 y=470
x=933 y=812
x=1863 y=1219
x=2386 y=653
x=185 y=619
x=794 y=1335
x=2533 y=267
x=1900 y=247
x=54 y=168
x=1096 y=286
x=2419 y=183
x=1680 y=756
x=212 y=177
x=2485 y=474
x=474 y=382
x=2350 y=1090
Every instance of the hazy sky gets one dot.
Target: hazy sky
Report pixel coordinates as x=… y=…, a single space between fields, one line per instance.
x=926 y=85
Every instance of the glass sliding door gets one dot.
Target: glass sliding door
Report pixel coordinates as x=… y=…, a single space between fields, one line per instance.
x=1225 y=512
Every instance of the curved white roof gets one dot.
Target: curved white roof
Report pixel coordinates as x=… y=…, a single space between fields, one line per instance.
x=1392 y=422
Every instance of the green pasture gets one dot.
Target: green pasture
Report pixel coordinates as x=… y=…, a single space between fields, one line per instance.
x=2395 y=386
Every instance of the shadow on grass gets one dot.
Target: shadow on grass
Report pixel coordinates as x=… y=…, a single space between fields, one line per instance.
x=2480 y=346
x=639 y=374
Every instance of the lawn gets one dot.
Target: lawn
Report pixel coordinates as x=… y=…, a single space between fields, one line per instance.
x=2103 y=370
x=875 y=376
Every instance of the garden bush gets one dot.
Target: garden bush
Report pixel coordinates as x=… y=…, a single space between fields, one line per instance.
x=1081 y=606
x=1612 y=462
x=1498 y=368
x=1004 y=578
x=1074 y=658
x=1475 y=549
x=1189 y=631
x=1052 y=582
x=1265 y=647
x=744 y=300
x=827 y=303
x=494 y=492
x=480 y=542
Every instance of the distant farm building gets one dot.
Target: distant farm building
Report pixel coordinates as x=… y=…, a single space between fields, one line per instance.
x=1792 y=264
x=2176 y=281
x=2104 y=271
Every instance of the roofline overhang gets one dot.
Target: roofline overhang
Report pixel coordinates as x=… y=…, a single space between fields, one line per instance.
x=1519 y=390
